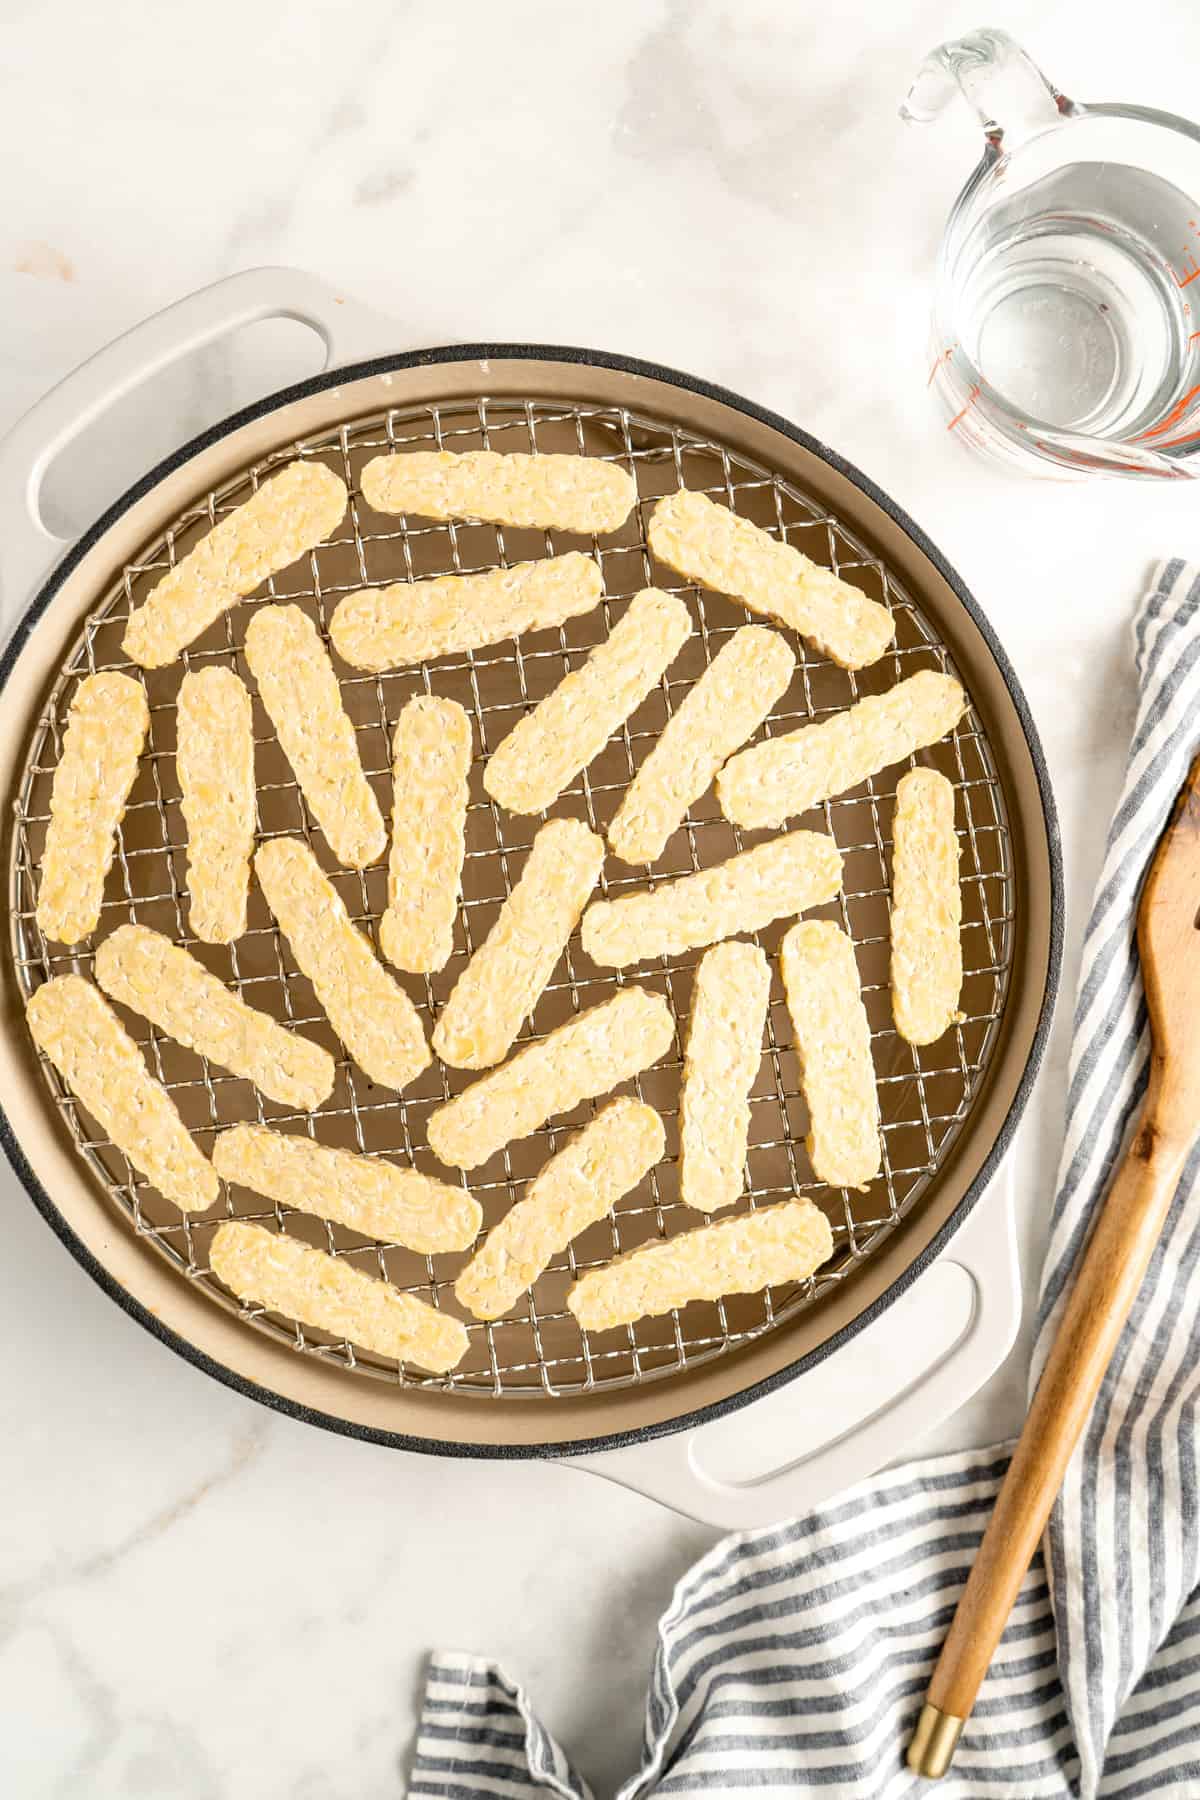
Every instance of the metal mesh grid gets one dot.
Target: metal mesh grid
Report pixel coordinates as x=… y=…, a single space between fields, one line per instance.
x=925 y=1095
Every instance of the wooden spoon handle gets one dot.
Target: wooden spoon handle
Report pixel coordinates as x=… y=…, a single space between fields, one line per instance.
x=1115 y=1263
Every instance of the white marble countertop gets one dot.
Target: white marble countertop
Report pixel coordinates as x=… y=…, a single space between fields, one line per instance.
x=199 y=1598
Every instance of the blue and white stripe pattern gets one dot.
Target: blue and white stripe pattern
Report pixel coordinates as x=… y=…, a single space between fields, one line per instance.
x=797 y=1657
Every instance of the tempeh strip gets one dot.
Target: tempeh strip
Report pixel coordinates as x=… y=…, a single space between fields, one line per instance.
x=545 y=493
x=927 y=962
x=725 y=707
x=783 y=777
x=833 y=1044
x=300 y=691
x=75 y=1027
x=575 y=1189
x=503 y=981
x=376 y=1198
x=589 y=1056
x=740 y=1255
x=167 y=985
x=369 y=1011
x=431 y=759
x=264 y=1268
x=106 y=728
x=775 y=880
x=710 y=544
x=214 y=760
x=291 y=513
x=724 y=1050
x=545 y=751
x=415 y=621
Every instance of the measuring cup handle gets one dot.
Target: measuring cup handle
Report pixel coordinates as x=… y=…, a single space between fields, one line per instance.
x=1002 y=84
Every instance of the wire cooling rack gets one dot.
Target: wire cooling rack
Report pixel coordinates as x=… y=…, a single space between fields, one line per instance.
x=925 y=1095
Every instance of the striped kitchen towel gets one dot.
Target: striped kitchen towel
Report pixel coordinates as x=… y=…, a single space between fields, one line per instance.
x=797 y=1657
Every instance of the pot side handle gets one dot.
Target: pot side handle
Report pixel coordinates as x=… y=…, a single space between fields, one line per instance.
x=27 y=549
x=672 y=1469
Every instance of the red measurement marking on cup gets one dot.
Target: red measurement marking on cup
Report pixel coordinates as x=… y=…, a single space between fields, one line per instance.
x=944 y=357
x=1186 y=278
x=958 y=418
x=1193 y=437
x=1173 y=417
x=1087 y=461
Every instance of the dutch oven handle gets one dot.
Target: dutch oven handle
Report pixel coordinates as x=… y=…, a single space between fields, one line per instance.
x=28 y=550
x=672 y=1469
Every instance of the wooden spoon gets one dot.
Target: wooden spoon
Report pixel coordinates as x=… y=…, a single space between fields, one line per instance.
x=1115 y=1262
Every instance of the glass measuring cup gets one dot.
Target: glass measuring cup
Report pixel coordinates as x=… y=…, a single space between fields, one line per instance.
x=1066 y=322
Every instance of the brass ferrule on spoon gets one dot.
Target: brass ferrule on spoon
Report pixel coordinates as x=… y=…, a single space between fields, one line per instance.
x=934 y=1742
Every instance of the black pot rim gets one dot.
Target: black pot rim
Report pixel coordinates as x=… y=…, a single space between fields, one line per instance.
x=382 y=365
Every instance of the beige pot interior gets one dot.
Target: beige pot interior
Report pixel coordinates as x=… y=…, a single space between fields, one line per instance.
x=535 y=1380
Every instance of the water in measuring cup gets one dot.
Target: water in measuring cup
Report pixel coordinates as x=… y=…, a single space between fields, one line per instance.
x=1071 y=300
